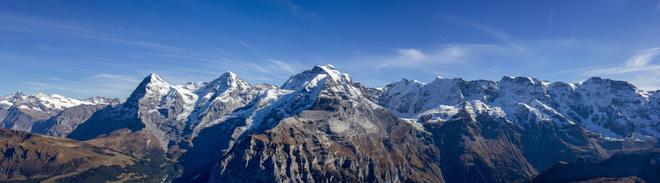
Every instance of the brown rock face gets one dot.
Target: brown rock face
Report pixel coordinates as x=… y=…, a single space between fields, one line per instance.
x=138 y=144
x=477 y=147
x=66 y=121
x=335 y=144
x=484 y=151
x=34 y=157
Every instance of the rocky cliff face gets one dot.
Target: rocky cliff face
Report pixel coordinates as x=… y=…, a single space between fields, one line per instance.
x=479 y=147
x=326 y=130
x=478 y=144
x=66 y=121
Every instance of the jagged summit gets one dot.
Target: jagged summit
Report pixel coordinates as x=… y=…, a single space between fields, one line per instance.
x=154 y=78
x=227 y=76
x=609 y=83
x=318 y=75
x=226 y=81
x=407 y=81
x=445 y=80
x=324 y=68
x=520 y=80
x=16 y=94
x=152 y=85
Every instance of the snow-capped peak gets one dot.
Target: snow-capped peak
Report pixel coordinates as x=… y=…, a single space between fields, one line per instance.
x=226 y=81
x=16 y=96
x=8 y=100
x=404 y=82
x=156 y=83
x=102 y=100
x=597 y=82
x=153 y=86
x=445 y=80
x=44 y=102
x=520 y=80
x=601 y=105
x=311 y=78
x=332 y=72
x=59 y=102
x=155 y=79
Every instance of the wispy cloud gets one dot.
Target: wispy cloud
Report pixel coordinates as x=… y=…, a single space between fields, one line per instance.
x=295 y=9
x=415 y=57
x=260 y=68
x=638 y=62
x=638 y=69
x=95 y=85
x=575 y=70
x=445 y=54
x=136 y=43
x=205 y=59
x=114 y=77
x=480 y=61
x=283 y=66
x=550 y=21
x=152 y=53
x=642 y=57
x=501 y=36
x=29 y=23
x=34 y=24
x=411 y=54
x=244 y=44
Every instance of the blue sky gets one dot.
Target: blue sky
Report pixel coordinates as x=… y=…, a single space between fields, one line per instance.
x=89 y=48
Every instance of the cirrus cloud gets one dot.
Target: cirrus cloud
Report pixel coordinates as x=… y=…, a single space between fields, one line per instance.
x=638 y=68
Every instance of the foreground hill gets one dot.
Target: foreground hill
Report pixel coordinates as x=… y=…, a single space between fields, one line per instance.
x=29 y=157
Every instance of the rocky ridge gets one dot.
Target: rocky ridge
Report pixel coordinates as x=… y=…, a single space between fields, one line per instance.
x=321 y=126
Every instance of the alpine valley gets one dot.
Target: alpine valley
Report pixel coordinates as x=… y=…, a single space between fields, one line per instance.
x=321 y=126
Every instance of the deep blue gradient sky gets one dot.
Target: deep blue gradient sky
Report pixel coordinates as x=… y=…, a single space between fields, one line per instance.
x=88 y=48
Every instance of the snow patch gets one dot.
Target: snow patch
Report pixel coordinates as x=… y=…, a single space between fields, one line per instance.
x=337 y=126
x=7 y=103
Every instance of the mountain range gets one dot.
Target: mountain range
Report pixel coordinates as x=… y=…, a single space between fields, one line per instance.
x=321 y=126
